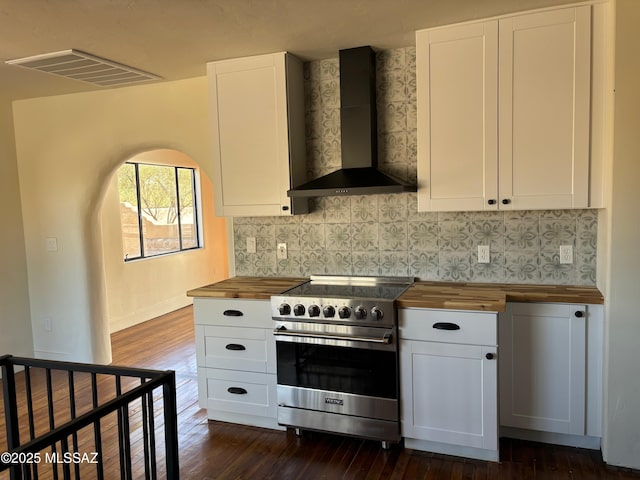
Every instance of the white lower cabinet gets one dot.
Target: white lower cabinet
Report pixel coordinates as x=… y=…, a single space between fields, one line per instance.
x=449 y=382
x=551 y=372
x=235 y=353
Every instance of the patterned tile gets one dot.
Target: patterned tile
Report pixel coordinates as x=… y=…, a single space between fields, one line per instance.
x=557 y=232
x=392 y=208
x=521 y=235
x=455 y=267
x=488 y=232
x=291 y=266
x=393 y=236
x=314 y=262
x=312 y=236
x=364 y=237
x=455 y=235
x=364 y=208
x=394 y=264
x=338 y=236
x=423 y=236
x=423 y=265
x=554 y=272
x=366 y=263
x=522 y=267
x=492 y=272
x=336 y=209
x=339 y=263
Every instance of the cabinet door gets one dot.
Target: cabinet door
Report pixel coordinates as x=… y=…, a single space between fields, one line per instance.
x=542 y=367
x=456 y=75
x=449 y=393
x=544 y=112
x=250 y=130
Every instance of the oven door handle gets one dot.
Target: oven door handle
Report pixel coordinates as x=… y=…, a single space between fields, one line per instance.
x=282 y=331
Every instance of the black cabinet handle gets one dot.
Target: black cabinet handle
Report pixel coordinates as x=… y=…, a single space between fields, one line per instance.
x=446 y=326
x=490 y=356
x=285 y=208
x=235 y=346
x=579 y=314
x=491 y=201
x=506 y=201
x=232 y=313
x=237 y=390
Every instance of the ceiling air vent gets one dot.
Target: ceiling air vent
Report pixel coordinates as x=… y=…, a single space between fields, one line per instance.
x=84 y=67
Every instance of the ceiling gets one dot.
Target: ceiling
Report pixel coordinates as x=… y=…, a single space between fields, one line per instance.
x=175 y=38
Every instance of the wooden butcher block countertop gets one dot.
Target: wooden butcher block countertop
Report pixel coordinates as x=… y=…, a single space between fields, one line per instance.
x=258 y=288
x=490 y=297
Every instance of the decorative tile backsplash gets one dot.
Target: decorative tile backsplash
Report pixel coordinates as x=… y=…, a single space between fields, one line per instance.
x=385 y=234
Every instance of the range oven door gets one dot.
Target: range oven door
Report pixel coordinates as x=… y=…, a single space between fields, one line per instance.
x=325 y=370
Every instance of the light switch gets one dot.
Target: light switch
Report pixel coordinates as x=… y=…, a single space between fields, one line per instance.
x=52 y=244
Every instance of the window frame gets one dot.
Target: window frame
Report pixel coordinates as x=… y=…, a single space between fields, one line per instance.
x=196 y=211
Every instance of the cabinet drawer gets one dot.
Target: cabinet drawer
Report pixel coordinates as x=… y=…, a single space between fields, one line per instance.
x=450 y=326
x=232 y=313
x=233 y=348
x=245 y=393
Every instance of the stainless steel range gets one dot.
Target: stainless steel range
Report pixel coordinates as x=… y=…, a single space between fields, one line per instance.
x=337 y=356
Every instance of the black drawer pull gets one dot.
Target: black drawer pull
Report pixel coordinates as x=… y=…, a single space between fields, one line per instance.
x=579 y=314
x=233 y=313
x=235 y=346
x=490 y=356
x=446 y=326
x=237 y=390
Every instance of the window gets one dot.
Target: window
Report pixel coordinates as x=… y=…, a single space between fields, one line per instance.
x=157 y=209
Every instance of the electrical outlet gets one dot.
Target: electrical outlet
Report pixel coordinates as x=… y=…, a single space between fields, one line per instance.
x=251 y=244
x=566 y=253
x=282 y=251
x=483 y=254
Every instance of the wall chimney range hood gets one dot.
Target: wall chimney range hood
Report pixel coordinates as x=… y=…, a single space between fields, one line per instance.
x=359 y=174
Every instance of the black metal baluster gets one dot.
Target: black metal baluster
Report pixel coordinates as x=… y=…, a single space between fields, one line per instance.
x=152 y=438
x=10 y=409
x=120 y=433
x=32 y=427
x=52 y=423
x=66 y=469
x=145 y=432
x=72 y=412
x=171 y=425
x=97 y=436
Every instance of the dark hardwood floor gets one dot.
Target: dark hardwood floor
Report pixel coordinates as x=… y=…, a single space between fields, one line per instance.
x=217 y=450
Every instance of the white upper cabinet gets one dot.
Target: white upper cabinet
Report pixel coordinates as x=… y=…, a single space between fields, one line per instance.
x=457 y=77
x=504 y=113
x=257 y=126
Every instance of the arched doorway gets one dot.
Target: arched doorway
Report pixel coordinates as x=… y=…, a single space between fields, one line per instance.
x=138 y=290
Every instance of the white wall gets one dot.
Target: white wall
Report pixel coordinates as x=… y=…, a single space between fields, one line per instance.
x=67 y=150
x=15 y=324
x=143 y=289
x=622 y=384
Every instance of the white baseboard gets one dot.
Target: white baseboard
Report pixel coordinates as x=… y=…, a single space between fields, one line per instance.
x=147 y=313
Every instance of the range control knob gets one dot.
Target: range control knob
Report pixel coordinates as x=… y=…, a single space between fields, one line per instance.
x=284 y=309
x=344 y=312
x=376 y=313
x=314 y=311
x=329 y=311
x=298 y=310
x=360 y=313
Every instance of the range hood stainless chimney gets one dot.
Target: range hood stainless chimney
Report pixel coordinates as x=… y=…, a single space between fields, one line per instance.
x=359 y=174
